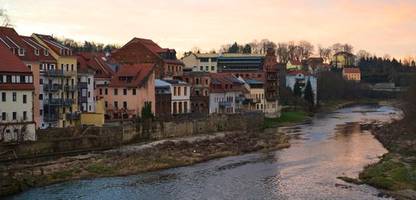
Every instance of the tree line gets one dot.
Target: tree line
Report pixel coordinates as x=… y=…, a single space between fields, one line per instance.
x=87 y=46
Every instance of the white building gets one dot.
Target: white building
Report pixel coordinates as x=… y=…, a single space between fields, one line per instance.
x=86 y=96
x=16 y=99
x=256 y=94
x=206 y=62
x=302 y=78
x=226 y=94
x=181 y=96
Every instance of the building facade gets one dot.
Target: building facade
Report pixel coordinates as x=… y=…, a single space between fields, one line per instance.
x=16 y=104
x=248 y=66
x=163 y=109
x=200 y=87
x=302 y=79
x=226 y=94
x=351 y=74
x=201 y=62
x=181 y=96
x=130 y=89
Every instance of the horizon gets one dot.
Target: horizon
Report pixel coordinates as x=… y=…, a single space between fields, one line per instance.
x=379 y=27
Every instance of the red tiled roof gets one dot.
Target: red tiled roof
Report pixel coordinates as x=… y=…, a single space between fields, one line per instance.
x=138 y=72
x=19 y=86
x=351 y=70
x=94 y=62
x=31 y=45
x=11 y=63
x=53 y=44
x=225 y=79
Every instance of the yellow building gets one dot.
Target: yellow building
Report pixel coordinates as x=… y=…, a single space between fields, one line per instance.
x=96 y=118
x=294 y=65
x=343 y=59
x=61 y=103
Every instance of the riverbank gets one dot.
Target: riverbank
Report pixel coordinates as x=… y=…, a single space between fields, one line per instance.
x=396 y=171
x=134 y=159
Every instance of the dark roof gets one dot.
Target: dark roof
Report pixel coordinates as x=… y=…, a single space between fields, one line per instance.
x=240 y=63
x=95 y=62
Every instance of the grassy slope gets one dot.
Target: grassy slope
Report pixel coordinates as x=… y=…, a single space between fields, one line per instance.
x=286 y=119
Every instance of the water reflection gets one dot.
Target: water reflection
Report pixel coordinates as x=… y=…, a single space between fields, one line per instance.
x=331 y=145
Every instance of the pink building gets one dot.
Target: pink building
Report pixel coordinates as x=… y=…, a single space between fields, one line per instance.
x=130 y=88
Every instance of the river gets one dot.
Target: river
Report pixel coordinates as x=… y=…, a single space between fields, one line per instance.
x=331 y=145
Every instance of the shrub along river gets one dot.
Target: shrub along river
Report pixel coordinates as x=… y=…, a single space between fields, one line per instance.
x=331 y=145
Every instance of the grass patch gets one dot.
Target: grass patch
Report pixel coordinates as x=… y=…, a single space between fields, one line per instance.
x=99 y=168
x=391 y=175
x=285 y=118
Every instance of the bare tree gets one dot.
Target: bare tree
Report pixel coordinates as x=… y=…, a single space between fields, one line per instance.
x=282 y=52
x=363 y=54
x=196 y=50
x=305 y=49
x=348 y=48
x=325 y=53
x=5 y=19
x=337 y=47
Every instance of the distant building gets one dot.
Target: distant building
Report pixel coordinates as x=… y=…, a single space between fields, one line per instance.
x=130 y=88
x=163 y=93
x=200 y=87
x=255 y=98
x=302 y=77
x=294 y=65
x=248 y=66
x=16 y=103
x=315 y=65
x=201 y=62
x=351 y=74
x=226 y=94
x=181 y=96
x=271 y=84
x=145 y=51
x=343 y=59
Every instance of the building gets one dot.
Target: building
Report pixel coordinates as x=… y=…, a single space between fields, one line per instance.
x=271 y=85
x=37 y=58
x=200 y=87
x=226 y=94
x=255 y=97
x=181 y=96
x=315 y=65
x=343 y=59
x=294 y=65
x=201 y=62
x=16 y=103
x=163 y=108
x=145 y=51
x=60 y=81
x=248 y=66
x=351 y=74
x=302 y=78
x=130 y=89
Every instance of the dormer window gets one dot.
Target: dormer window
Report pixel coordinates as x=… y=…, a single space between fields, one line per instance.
x=37 y=52
x=45 y=52
x=21 y=52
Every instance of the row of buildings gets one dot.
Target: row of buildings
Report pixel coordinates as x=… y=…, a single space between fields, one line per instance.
x=44 y=84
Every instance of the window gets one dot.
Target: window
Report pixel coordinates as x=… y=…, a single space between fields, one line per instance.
x=106 y=91
x=115 y=91
x=21 y=52
x=24 y=115
x=106 y=104
x=40 y=96
x=212 y=68
x=134 y=91
x=201 y=68
x=14 y=96
x=124 y=91
x=45 y=52
x=24 y=99
x=206 y=68
x=179 y=91
x=89 y=94
x=72 y=67
x=115 y=104
x=14 y=115
x=101 y=91
x=3 y=97
x=30 y=67
x=37 y=52
x=3 y=116
x=89 y=81
x=40 y=81
x=67 y=67
x=185 y=90
x=124 y=104
x=40 y=112
x=174 y=91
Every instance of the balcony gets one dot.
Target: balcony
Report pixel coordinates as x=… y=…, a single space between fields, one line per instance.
x=73 y=116
x=58 y=102
x=83 y=85
x=52 y=87
x=70 y=88
x=225 y=104
x=54 y=73
x=50 y=118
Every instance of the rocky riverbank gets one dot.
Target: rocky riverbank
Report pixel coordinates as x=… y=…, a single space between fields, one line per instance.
x=395 y=173
x=134 y=159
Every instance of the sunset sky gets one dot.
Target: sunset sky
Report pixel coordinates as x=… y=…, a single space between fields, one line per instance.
x=379 y=26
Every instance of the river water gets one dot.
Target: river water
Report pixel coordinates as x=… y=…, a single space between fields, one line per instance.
x=331 y=145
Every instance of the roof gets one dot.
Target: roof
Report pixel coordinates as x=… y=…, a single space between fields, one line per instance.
x=241 y=55
x=225 y=79
x=207 y=55
x=138 y=74
x=95 y=62
x=176 y=82
x=351 y=70
x=161 y=84
x=55 y=45
x=10 y=63
x=10 y=39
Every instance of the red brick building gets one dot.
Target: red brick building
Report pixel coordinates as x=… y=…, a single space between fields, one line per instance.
x=140 y=50
x=200 y=87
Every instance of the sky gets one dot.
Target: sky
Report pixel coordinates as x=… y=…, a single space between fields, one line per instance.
x=378 y=26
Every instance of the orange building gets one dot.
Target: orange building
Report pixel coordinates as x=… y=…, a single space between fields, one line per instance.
x=131 y=87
